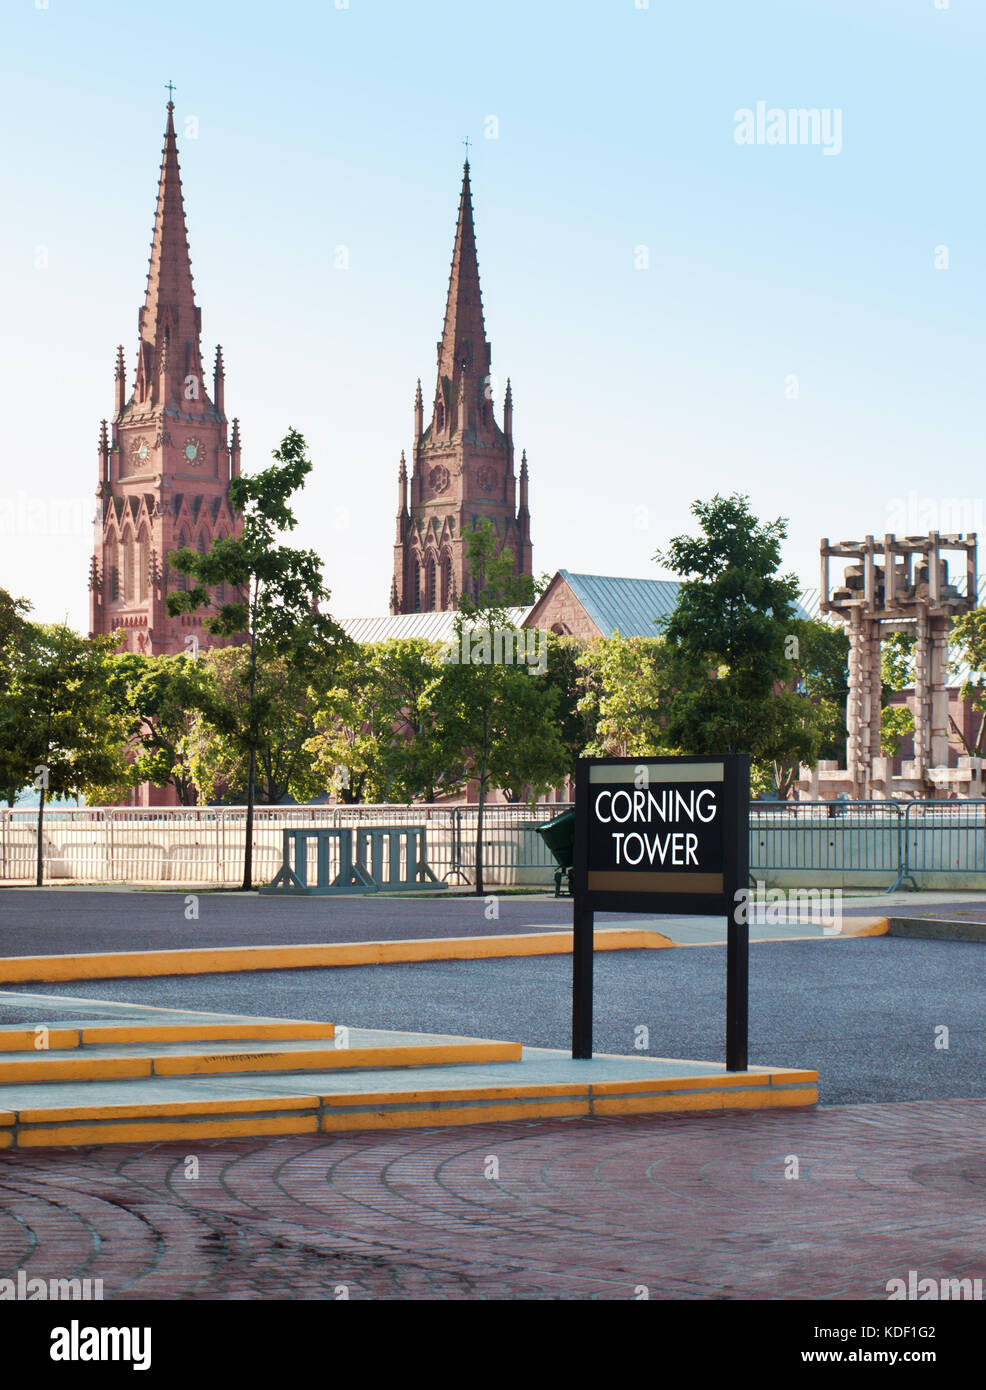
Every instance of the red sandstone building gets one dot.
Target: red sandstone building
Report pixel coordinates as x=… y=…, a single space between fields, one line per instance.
x=166 y=462
x=462 y=461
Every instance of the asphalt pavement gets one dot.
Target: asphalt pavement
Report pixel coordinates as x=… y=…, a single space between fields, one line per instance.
x=867 y=1013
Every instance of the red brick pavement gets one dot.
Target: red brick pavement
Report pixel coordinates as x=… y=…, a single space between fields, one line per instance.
x=690 y=1207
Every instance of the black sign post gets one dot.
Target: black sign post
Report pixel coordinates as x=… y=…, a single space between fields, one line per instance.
x=663 y=835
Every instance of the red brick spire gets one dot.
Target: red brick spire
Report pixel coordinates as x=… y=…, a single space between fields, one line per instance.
x=169 y=322
x=463 y=353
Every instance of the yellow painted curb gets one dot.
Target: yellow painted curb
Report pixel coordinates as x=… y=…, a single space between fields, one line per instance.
x=21 y=1069
x=336 y=1059
x=62 y=1039
x=204 y=1032
x=867 y=926
x=150 y=1132
x=261 y=1116
x=228 y=959
x=535 y=1109
x=25 y=1039
x=165 y=1110
x=358 y=1099
x=757 y=1098
x=41 y=1069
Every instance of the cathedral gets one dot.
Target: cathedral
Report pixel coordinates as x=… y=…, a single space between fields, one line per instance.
x=462 y=462
x=167 y=459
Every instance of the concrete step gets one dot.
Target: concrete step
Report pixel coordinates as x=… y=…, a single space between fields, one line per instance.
x=81 y=1034
x=147 y=1058
x=543 y=1084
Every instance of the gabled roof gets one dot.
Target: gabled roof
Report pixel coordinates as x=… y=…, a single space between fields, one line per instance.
x=434 y=626
x=628 y=606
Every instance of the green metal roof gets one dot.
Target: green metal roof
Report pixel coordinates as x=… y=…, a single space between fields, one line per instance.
x=628 y=606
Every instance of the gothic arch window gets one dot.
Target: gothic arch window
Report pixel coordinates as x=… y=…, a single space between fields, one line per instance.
x=181 y=580
x=129 y=567
x=430 y=583
x=439 y=415
x=143 y=564
x=417 y=586
x=220 y=588
x=446 y=582
x=112 y=569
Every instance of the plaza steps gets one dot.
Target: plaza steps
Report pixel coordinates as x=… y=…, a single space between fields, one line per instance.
x=135 y=1074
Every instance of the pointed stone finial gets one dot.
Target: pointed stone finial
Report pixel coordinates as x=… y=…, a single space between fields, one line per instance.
x=419 y=414
x=402 y=471
x=234 y=450
x=218 y=382
x=523 y=511
x=120 y=381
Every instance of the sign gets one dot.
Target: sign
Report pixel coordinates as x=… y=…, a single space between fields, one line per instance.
x=662 y=835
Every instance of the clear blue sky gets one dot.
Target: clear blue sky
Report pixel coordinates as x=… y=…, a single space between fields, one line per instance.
x=636 y=390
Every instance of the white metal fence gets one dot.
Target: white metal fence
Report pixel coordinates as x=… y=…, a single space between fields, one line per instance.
x=205 y=845
x=925 y=844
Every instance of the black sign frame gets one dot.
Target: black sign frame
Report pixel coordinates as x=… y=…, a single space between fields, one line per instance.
x=729 y=772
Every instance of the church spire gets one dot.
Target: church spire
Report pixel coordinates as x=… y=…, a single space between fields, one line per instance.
x=169 y=322
x=462 y=467
x=463 y=351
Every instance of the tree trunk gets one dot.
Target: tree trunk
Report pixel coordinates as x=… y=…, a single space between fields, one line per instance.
x=252 y=774
x=41 y=822
x=479 y=833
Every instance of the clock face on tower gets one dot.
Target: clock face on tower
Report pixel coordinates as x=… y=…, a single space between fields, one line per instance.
x=438 y=478
x=139 y=452
x=193 y=451
x=486 y=477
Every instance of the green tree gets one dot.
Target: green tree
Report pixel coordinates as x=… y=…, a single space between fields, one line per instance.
x=497 y=722
x=58 y=724
x=278 y=591
x=566 y=674
x=219 y=746
x=808 y=715
x=728 y=629
x=896 y=674
x=968 y=639
x=375 y=734
x=158 y=696
x=628 y=686
x=13 y=630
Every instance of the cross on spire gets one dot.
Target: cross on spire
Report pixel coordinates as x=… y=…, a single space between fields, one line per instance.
x=466 y=143
x=171 y=93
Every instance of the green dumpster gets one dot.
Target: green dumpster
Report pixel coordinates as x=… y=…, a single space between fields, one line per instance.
x=559 y=836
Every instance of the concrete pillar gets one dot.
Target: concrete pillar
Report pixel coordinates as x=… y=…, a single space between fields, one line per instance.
x=938 y=691
x=922 y=683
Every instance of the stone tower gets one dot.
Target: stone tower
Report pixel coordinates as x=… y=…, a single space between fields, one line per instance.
x=165 y=466
x=462 y=462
